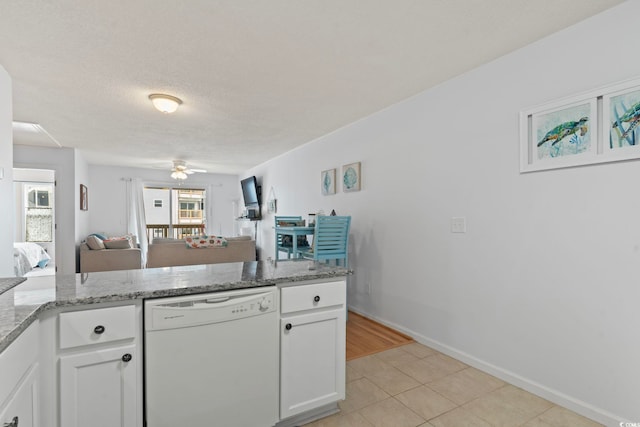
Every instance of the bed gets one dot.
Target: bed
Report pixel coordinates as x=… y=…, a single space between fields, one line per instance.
x=27 y=256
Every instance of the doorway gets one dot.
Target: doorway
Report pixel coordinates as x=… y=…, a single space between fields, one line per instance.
x=34 y=232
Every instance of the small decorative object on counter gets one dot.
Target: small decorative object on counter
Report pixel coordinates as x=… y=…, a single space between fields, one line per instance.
x=333 y=212
x=312 y=220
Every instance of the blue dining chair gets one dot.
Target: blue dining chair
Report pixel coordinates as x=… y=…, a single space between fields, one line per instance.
x=330 y=240
x=279 y=246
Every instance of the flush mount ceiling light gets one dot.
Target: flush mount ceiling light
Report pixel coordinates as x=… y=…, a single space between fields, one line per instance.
x=165 y=103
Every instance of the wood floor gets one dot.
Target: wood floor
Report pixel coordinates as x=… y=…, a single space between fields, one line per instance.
x=365 y=337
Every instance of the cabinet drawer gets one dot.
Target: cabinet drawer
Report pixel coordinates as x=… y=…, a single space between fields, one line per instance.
x=309 y=297
x=97 y=326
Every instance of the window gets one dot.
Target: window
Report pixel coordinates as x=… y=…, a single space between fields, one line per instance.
x=38 y=215
x=38 y=198
x=179 y=212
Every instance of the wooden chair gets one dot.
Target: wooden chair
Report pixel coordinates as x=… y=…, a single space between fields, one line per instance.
x=279 y=246
x=330 y=240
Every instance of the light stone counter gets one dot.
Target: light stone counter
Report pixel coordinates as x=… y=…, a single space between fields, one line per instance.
x=21 y=305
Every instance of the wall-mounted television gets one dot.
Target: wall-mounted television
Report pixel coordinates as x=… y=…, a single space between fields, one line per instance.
x=250 y=191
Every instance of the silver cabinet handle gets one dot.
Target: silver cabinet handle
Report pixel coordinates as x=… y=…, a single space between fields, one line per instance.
x=13 y=423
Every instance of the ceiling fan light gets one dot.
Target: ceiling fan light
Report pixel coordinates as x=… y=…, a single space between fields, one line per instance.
x=165 y=103
x=178 y=175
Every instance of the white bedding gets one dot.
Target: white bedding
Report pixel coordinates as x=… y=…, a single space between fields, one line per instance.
x=26 y=256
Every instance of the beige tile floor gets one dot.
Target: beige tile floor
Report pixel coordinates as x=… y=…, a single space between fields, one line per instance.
x=413 y=386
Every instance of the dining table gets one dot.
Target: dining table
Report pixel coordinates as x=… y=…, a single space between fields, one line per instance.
x=294 y=232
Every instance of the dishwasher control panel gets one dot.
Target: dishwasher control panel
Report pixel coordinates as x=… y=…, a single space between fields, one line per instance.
x=193 y=310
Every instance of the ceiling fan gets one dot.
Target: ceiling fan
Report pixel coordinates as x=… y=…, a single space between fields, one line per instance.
x=180 y=170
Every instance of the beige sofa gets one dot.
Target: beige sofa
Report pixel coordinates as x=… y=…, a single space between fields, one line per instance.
x=170 y=252
x=109 y=259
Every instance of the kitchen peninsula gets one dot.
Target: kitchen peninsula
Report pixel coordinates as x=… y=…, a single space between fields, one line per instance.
x=43 y=341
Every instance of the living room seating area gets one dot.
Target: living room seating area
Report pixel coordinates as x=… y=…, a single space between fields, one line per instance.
x=100 y=253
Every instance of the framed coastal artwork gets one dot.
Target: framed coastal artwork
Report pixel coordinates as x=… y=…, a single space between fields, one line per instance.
x=351 y=178
x=559 y=135
x=602 y=125
x=621 y=120
x=328 y=182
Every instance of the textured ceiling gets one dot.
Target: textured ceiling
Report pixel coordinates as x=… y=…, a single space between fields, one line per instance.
x=258 y=78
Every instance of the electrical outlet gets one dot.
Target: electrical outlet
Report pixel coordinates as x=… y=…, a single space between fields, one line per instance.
x=458 y=224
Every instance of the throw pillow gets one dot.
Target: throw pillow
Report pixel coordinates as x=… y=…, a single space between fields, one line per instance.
x=94 y=242
x=205 y=241
x=99 y=236
x=118 y=243
x=133 y=238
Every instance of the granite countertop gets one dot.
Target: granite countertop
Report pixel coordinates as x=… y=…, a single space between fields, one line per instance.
x=22 y=304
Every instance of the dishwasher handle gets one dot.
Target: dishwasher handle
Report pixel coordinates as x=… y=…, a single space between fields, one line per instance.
x=212 y=301
x=216 y=300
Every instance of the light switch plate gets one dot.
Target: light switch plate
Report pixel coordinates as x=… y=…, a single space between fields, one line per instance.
x=458 y=224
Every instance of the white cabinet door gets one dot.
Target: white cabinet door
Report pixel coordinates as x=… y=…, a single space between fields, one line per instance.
x=312 y=371
x=22 y=408
x=98 y=388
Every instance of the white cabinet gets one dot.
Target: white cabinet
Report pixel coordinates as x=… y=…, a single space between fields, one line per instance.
x=22 y=408
x=98 y=388
x=312 y=346
x=100 y=367
x=19 y=381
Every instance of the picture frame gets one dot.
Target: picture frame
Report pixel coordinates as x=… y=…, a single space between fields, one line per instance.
x=351 y=177
x=613 y=115
x=272 y=206
x=328 y=182
x=84 y=198
x=559 y=134
x=621 y=121
x=272 y=202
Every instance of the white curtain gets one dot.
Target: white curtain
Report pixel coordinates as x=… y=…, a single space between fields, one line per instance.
x=137 y=223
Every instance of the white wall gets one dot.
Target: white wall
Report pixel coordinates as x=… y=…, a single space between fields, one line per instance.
x=6 y=183
x=64 y=162
x=543 y=289
x=108 y=202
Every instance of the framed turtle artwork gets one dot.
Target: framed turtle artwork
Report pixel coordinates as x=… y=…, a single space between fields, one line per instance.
x=560 y=134
x=602 y=125
x=621 y=122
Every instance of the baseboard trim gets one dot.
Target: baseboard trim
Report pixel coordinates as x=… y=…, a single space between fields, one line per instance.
x=561 y=399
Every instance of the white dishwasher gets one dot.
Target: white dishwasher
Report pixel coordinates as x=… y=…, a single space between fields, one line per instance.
x=212 y=359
